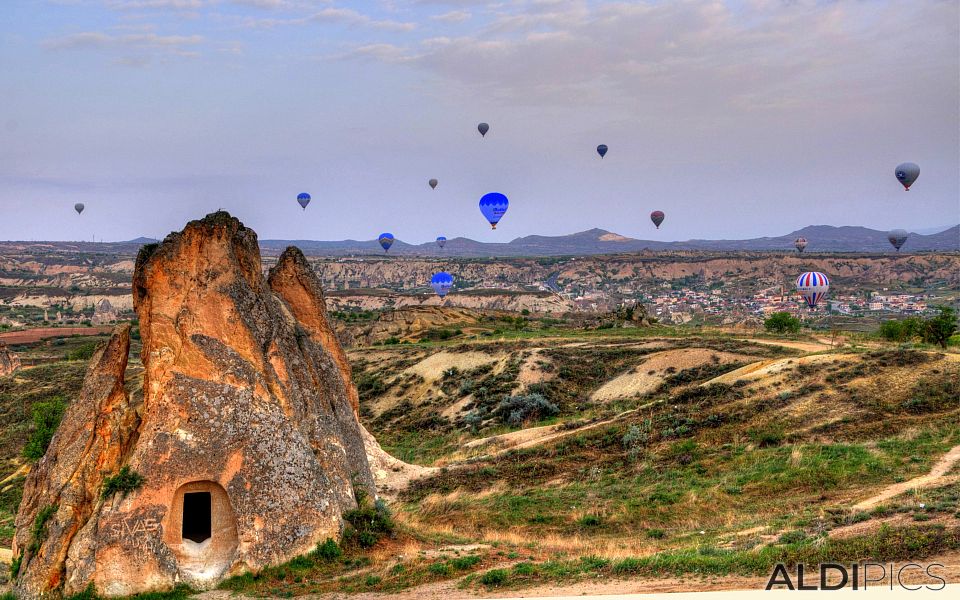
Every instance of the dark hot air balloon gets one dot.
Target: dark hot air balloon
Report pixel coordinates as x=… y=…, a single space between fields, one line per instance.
x=493 y=206
x=78 y=207
x=602 y=150
x=433 y=183
x=906 y=174
x=657 y=217
x=386 y=240
x=800 y=243
x=303 y=200
x=483 y=128
x=441 y=241
x=897 y=238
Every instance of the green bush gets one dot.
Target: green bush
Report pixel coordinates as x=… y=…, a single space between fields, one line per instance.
x=38 y=532
x=46 y=419
x=782 y=322
x=328 y=551
x=84 y=352
x=368 y=523
x=124 y=482
x=515 y=410
x=495 y=577
x=463 y=563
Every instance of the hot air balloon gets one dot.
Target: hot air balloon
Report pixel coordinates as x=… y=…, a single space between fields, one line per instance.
x=906 y=174
x=657 y=217
x=441 y=241
x=494 y=206
x=386 y=240
x=303 y=200
x=78 y=207
x=433 y=183
x=800 y=243
x=602 y=150
x=441 y=283
x=483 y=128
x=813 y=286
x=897 y=237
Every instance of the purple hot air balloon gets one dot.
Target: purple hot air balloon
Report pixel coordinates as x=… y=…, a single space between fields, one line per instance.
x=657 y=217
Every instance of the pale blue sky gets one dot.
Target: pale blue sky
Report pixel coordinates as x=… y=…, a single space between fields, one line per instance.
x=737 y=119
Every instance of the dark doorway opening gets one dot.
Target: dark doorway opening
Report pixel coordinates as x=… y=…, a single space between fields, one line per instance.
x=196 y=516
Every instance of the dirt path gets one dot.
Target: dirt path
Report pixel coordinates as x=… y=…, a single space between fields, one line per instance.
x=935 y=478
x=677 y=587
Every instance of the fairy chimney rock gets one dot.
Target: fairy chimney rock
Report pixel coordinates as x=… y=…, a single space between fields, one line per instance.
x=246 y=436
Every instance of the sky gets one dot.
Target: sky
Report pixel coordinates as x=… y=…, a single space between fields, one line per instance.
x=736 y=118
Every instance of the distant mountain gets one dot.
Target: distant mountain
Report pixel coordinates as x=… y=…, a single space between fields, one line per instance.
x=820 y=238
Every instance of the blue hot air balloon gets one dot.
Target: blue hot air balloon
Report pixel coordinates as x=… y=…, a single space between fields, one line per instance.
x=303 y=200
x=602 y=150
x=441 y=283
x=813 y=286
x=493 y=206
x=386 y=240
x=441 y=241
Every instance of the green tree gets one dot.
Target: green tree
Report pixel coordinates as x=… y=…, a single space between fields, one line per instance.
x=782 y=322
x=902 y=330
x=939 y=329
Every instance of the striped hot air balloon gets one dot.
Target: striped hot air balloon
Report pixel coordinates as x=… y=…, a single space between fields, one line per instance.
x=813 y=286
x=386 y=240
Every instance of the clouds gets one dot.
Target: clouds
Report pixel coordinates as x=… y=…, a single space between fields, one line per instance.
x=93 y=39
x=743 y=116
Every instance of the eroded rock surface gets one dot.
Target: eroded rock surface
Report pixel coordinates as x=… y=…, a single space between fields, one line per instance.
x=9 y=361
x=247 y=437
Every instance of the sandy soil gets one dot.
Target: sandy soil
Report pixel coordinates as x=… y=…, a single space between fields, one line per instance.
x=432 y=367
x=530 y=371
x=816 y=346
x=639 y=380
x=764 y=368
x=391 y=475
x=30 y=336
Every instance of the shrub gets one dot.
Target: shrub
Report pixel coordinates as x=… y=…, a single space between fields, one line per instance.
x=769 y=435
x=38 y=532
x=328 y=551
x=368 y=523
x=46 y=419
x=515 y=410
x=441 y=569
x=84 y=352
x=124 y=482
x=656 y=534
x=782 y=322
x=792 y=537
x=463 y=563
x=494 y=577
x=589 y=521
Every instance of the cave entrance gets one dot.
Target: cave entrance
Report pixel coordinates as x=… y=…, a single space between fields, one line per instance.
x=196 y=516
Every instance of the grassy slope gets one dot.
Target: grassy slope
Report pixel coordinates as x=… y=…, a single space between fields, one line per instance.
x=780 y=456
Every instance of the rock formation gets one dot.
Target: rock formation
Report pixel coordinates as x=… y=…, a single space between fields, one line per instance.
x=9 y=361
x=246 y=438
